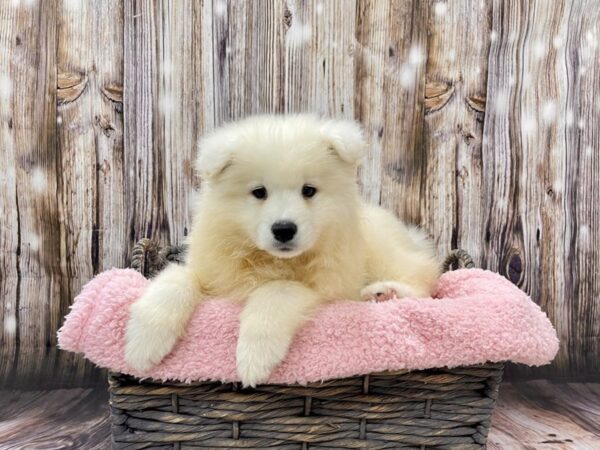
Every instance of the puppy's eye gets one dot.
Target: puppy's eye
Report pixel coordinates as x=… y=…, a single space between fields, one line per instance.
x=259 y=193
x=308 y=191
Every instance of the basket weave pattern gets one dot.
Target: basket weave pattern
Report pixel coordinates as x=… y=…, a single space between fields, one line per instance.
x=434 y=408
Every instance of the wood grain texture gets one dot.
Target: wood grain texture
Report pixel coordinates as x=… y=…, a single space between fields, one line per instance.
x=164 y=93
x=392 y=48
x=453 y=131
x=534 y=416
x=31 y=281
x=59 y=419
x=540 y=415
x=89 y=130
x=480 y=116
x=539 y=153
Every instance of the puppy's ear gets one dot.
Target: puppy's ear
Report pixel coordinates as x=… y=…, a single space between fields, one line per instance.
x=346 y=138
x=215 y=153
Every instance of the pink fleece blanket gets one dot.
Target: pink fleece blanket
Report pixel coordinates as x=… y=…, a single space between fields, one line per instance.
x=474 y=317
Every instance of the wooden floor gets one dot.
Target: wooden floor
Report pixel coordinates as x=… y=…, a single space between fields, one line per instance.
x=536 y=415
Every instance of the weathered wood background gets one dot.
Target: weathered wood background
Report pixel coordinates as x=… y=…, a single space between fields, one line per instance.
x=482 y=116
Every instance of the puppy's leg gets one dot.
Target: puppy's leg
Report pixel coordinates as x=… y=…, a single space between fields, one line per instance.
x=272 y=315
x=401 y=261
x=158 y=318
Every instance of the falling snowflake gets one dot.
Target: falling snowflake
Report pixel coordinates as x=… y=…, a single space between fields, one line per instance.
x=34 y=242
x=166 y=103
x=501 y=103
x=10 y=324
x=59 y=119
x=167 y=67
x=493 y=36
x=569 y=118
x=584 y=233
x=298 y=34
x=581 y=124
x=549 y=112
x=451 y=55
x=319 y=8
x=528 y=124
x=38 y=180
x=539 y=50
x=558 y=42
x=5 y=87
x=440 y=8
x=416 y=56
x=72 y=5
x=407 y=76
x=220 y=8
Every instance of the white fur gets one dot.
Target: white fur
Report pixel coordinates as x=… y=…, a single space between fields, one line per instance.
x=343 y=248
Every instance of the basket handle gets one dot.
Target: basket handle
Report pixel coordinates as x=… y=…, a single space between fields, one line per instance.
x=457 y=259
x=149 y=258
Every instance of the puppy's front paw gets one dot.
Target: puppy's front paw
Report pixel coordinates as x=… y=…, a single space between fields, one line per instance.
x=257 y=357
x=146 y=343
x=386 y=290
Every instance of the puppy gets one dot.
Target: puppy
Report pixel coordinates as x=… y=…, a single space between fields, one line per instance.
x=280 y=226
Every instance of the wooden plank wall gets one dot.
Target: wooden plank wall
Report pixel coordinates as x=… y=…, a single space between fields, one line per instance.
x=480 y=116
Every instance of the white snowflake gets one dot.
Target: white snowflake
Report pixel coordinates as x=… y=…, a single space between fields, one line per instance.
x=415 y=56
x=59 y=119
x=584 y=233
x=167 y=67
x=72 y=5
x=501 y=103
x=588 y=151
x=319 y=8
x=569 y=118
x=407 y=76
x=451 y=55
x=528 y=124
x=220 y=8
x=5 y=87
x=166 y=103
x=10 y=324
x=539 y=50
x=440 y=8
x=549 y=112
x=34 y=242
x=298 y=34
x=38 y=180
x=558 y=42
x=581 y=124
x=493 y=36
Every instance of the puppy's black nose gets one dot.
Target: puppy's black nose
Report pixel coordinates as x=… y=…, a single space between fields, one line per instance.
x=284 y=231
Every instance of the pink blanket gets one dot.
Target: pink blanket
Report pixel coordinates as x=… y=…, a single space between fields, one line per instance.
x=474 y=317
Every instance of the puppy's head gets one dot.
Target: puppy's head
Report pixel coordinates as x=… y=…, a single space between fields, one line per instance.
x=282 y=182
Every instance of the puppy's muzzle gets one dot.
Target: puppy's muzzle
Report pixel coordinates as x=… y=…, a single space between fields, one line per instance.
x=284 y=231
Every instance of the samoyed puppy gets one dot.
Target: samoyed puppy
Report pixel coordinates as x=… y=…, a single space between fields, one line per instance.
x=280 y=225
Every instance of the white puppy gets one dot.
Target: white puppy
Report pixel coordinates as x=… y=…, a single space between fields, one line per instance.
x=279 y=225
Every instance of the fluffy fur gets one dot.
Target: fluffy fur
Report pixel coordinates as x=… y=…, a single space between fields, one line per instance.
x=343 y=248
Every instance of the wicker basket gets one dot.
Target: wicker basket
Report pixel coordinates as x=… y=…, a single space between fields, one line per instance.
x=435 y=408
